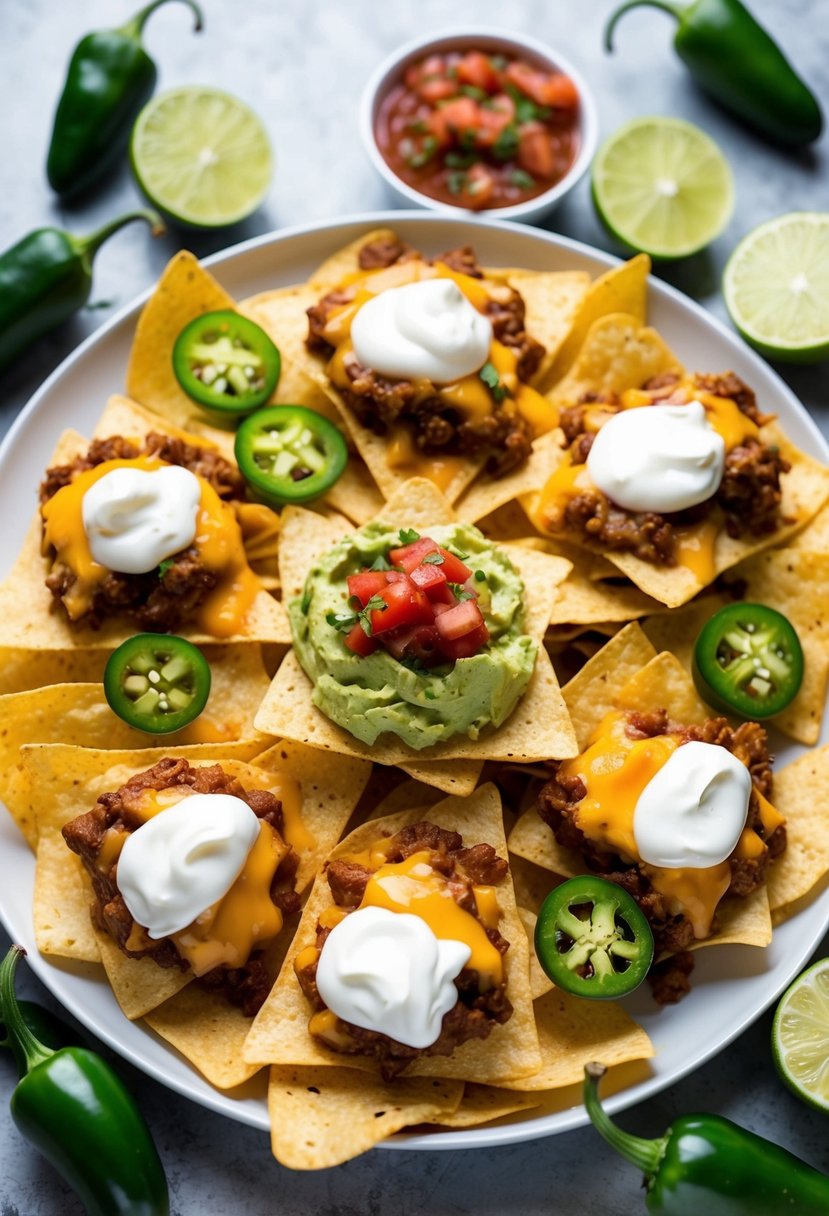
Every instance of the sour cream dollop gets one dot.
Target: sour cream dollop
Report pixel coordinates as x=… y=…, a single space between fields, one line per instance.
x=426 y=329
x=135 y=518
x=386 y=971
x=660 y=458
x=692 y=812
x=184 y=860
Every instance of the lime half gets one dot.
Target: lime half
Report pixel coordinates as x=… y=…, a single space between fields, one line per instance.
x=776 y=287
x=662 y=187
x=201 y=156
x=800 y=1035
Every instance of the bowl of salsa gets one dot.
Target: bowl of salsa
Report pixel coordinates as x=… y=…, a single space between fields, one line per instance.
x=479 y=120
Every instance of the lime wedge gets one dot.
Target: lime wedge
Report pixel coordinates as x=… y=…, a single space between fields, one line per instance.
x=776 y=287
x=662 y=187
x=202 y=156
x=800 y=1036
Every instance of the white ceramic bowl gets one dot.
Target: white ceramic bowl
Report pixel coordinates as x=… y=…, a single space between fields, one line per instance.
x=485 y=38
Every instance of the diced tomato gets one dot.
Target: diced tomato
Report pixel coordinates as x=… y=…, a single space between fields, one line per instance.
x=479 y=188
x=441 y=597
x=359 y=643
x=428 y=577
x=435 y=65
x=453 y=567
x=493 y=120
x=367 y=584
x=476 y=68
x=562 y=92
x=412 y=555
x=462 y=114
x=544 y=88
x=460 y=620
x=437 y=89
x=420 y=642
x=465 y=647
x=405 y=605
x=535 y=149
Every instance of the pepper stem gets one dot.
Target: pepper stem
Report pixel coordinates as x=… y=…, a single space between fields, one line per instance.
x=28 y=1050
x=676 y=10
x=134 y=28
x=645 y=1153
x=88 y=246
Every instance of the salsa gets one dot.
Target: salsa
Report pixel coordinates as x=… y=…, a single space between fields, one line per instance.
x=479 y=131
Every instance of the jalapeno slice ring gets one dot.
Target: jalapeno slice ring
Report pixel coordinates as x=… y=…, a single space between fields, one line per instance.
x=288 y=453
x=748 y=661
x=592 y=938
x=157 y=683
x=226 y=362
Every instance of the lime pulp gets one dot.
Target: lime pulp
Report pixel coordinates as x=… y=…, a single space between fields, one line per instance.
x=800 y=1036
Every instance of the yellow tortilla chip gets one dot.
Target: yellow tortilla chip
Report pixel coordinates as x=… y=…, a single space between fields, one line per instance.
x=61 y=901
x=815 y=536
x=553 y=301
x=622 y=289
x=540 y=982
x=663 y=683
x=344 y=262
x=801 y=793
x=185 y=291
x=485 y=1103
x=138 y=984
x=618 y=353
x=591 y=694
x=582 y=600
x=282 y=314
x=487 y=494
x=279 y=1033
x=324 y=1117
x=208 y=1031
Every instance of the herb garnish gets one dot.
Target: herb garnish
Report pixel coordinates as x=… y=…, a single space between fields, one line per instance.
x=460 y=592
x=408 y=536
x=506 y=145
x=164 y=566
x=380 y=563
x=433 y=559
x=521 y=179
x=344 y=622
x=492 y=379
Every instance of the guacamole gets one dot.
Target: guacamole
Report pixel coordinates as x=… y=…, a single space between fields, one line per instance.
x=369 y=695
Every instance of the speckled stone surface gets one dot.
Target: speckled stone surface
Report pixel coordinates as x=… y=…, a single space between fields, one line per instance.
x=302 y=64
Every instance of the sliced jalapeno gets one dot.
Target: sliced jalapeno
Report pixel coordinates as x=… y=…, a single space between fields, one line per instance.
x=748 y=661
x=592 y=938
x=157 y=683
x=288 y=453
x=226 y=362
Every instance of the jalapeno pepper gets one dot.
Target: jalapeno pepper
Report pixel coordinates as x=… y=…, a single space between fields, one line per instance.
x=226 y=362
x=288 y=453
x=748 y=661
x=157 y=683
x=78 y=1113
x=592 y=939
x=110 y=78
x=736 y=62
x=705 y=1164
x=50 y=1030
x=46 y=277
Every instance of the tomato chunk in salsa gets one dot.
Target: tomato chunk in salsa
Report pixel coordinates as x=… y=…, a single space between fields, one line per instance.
x=422 y=607
x=478 y=130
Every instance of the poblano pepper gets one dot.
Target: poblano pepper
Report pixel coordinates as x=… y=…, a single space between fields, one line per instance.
x=77 y=1112
x=109 y=80
x=707 y=1164
x=734 y=60
x=46 y=277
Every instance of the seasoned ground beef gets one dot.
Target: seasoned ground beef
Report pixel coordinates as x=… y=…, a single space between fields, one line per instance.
x=155 y=602
x=475 y=1012
x=121 y=811
x=749 y=494
x=559 y=798
x=670 y=980
x=379 y=403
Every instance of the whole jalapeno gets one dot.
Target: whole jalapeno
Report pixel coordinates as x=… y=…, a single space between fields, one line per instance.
x=736 y=62
x=109 y=80
x=46 y=277
x=78 y=1113
x=707 y=1164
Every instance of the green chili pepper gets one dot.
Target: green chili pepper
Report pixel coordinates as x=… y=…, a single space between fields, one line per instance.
x=109 y=80
x=44 y=1026
x=76 y=1111
x=734 y=60
x=157 y=683
x=290 y=454
x=707 y=1164
x=46 y=277
x=748 y=661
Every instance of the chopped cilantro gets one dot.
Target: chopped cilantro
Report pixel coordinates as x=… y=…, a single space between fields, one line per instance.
x=472 y=90
x=375 y=604
x=408 y=536
x=467 y=138
x=164 y=566
x=380 y=563
x=422 y=157
x=305 y=602
x=480 y=577
x=491 y=378
x=524 y=181
x=460 y=160
x=460 y=592
x=456 y=181
x=525 y=109
x=499 y=62
x=506 y=145
x=343 y=622
x=433 y=559
x=417 y=126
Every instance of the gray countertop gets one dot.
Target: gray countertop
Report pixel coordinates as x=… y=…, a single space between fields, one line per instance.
x=301 y=65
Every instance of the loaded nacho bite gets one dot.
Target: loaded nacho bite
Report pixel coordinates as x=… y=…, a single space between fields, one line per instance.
x=434 y=357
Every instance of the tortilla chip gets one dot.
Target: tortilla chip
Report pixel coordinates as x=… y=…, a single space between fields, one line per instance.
x=487 y=494
x=591 y=694
x=61 y=901
x=622 y=289
x=618 y=353
x=743 y=922
x=138 y=984
x=208 y=1031
x=41 y=627
x=345 y=261
x=279 y=1033
x=583 y=600
x=323 y=1117
x=185 y=291
x=572 y=1031
x=663 y=683
x=484 y=1103
x=801 y=793
x=282 y=314
x=509 y=522
x=815 y=536
x=553 y=301
x=540 y=982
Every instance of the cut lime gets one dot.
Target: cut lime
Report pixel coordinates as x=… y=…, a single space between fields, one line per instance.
x=800 y=1036
x=776 y=287
x=662 y=187
x=201 y=156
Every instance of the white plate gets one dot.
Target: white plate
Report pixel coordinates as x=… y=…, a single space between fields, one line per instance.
x=732 y=985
